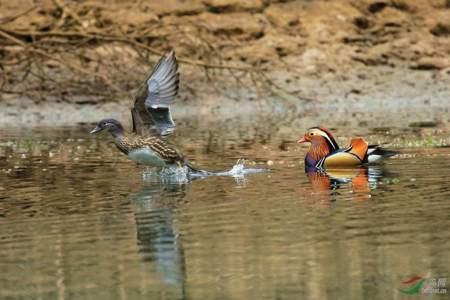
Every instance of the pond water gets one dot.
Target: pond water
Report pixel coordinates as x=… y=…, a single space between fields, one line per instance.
x=78 y=221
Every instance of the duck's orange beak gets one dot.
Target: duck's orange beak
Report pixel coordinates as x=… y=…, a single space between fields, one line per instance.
x=303 y=140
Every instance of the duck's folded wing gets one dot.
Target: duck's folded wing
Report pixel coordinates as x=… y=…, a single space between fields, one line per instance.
x=354 y=154
x=341 y=159
x=151 y=111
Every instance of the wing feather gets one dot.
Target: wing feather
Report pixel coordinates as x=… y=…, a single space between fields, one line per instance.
x=151 y=112
x=341 y=159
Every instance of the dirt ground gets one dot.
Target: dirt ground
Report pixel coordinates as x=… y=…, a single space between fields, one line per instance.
x=95 y=53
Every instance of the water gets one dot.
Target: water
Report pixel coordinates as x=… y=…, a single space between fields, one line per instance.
x=77 y=220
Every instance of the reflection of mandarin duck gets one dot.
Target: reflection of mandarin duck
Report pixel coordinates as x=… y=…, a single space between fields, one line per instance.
x=332 y=179
x=320 y=181
x=359 y=181
x=325 y=152
x=358 y=177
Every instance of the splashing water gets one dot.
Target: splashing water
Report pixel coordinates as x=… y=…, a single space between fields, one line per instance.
x=174 y=174
x=239 y=170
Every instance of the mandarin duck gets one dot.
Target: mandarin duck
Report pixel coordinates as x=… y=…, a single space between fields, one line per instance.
x=325 y=152
x=152 y=120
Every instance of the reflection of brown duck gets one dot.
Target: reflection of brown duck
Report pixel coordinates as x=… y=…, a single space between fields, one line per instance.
x=325 y=152
x=157 y=235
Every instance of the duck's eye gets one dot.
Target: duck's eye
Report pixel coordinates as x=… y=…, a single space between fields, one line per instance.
x=311 y=133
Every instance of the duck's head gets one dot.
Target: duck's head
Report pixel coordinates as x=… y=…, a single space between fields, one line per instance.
x=113 y=126
x=319 y=136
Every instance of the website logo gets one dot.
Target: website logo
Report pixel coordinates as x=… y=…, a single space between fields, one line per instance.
x=424 y=285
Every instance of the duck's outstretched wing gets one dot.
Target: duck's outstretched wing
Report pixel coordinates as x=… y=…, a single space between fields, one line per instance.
x=151 y=110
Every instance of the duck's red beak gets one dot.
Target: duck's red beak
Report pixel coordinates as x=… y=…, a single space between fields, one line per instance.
x=302 y=140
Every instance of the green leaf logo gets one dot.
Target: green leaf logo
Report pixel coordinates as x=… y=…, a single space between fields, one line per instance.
x=415 y=288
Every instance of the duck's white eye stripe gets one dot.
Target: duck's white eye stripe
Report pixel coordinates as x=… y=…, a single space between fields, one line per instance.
x=330 y=141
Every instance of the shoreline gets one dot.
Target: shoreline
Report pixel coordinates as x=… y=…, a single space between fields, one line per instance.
x=417 y=96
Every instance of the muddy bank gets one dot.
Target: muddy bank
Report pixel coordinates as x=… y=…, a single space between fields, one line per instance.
x=77 y=60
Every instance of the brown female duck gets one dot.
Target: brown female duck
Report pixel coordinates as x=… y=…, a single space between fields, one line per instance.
x=152 y=119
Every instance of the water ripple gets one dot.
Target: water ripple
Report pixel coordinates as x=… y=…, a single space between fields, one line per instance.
x=77 y=221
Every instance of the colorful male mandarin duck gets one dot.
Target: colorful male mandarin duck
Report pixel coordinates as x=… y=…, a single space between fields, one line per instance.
x=325 y=152
x=152 y=119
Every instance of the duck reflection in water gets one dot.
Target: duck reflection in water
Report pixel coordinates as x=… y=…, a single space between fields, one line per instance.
x=359 y=180
x=155 y=214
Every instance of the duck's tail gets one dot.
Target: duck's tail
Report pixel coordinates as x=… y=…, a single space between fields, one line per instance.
x=195 y=172
x=376 y=153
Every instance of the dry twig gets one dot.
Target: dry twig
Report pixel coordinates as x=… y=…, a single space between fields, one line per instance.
x=68 y=56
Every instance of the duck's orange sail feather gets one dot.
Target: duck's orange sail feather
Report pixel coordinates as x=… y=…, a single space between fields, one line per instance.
x=359 y=148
